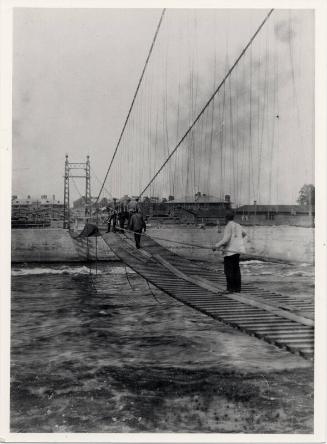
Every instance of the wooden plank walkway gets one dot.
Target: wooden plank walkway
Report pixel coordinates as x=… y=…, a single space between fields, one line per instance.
x=258 y=312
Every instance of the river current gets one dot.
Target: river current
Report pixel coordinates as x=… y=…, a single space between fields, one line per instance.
x=101 y=350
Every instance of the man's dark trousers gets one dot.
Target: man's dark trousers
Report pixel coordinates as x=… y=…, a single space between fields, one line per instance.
x=232 y=272
x=137 y=237
x=112 y=218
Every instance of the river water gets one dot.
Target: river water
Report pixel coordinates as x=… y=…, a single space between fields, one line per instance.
x=100 y=350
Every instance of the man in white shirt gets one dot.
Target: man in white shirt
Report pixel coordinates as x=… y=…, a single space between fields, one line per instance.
x=233 y=244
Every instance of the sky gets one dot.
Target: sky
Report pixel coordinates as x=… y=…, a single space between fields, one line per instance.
x=75 y=72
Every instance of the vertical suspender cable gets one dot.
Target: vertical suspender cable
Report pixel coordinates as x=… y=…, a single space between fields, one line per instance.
x=208 y=101
x=133 y=101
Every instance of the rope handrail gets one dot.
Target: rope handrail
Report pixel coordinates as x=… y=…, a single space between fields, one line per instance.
x=133 y=101
x=208 y=101
x=203 y=247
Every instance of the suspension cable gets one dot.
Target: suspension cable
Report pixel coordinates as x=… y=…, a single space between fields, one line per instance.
x=76 y=187
x=208 y=102
x=99 y=182
x=133 y=101
x=193 y=246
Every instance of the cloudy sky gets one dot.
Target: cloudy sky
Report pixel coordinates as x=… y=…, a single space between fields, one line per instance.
x=76 y=70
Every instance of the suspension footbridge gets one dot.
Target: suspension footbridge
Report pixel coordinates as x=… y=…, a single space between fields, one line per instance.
x=229 y=138
x=270 y=316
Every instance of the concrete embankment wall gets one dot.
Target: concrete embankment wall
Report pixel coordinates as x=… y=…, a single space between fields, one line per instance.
x=289 y=243
x=55 y=245
x=294 y=244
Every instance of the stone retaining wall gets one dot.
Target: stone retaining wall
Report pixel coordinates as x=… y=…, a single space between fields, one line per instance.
x=294 y=244
x=55 y=245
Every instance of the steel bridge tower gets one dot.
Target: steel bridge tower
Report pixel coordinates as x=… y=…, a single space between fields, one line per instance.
x=83 y=172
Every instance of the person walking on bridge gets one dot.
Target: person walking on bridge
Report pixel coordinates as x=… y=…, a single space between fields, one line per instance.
x=122 y=214
x=112 y=211
x=232 y=244
x=133 y=207
x=136 y=224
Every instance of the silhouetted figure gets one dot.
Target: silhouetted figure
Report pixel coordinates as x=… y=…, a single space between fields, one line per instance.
x=122 y=215
x=133 y=206
x=136 y=224
x=113 y=212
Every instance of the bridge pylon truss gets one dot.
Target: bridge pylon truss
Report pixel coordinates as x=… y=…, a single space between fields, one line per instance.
x=83 y=171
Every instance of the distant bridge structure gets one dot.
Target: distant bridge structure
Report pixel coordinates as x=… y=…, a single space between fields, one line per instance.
x=76 y=170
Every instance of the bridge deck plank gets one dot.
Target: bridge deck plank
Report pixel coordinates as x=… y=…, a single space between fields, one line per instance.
x=186 y=282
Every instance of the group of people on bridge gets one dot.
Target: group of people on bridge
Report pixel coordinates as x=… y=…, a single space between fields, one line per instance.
x=128 y=214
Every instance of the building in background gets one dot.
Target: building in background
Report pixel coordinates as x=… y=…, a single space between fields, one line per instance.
x=197 y=209
x=28 y=212
x=200 y=209
x=297 y=215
